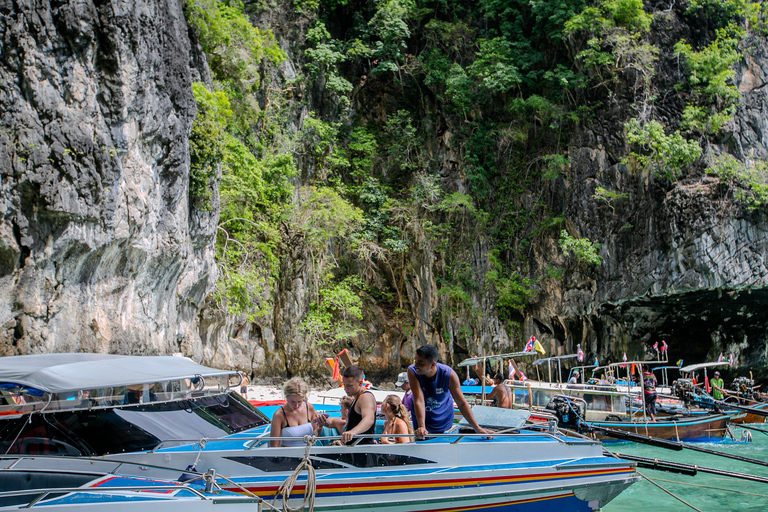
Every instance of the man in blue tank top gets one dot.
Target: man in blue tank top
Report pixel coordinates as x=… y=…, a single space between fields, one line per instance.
x=435 y=387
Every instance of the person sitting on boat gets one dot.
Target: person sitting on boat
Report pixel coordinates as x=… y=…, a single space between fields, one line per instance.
x=483 y=372
x=649 y=394
x=501 y=393
x=296 y=418
x=134 y=394
x=718 y=387
x=402 y=383
x=339 y=422
x=435 y=387
x=362 y=412
x=397 y=421
x=574 y=377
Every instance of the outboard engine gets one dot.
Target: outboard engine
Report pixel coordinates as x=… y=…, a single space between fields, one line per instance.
x=742 y=387
x=685 y=390
x=570 y=413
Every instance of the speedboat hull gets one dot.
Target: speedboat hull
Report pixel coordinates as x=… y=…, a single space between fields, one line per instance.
x=549 y=472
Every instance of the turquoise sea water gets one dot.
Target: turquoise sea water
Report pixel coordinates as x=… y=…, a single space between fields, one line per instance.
x=704 y=491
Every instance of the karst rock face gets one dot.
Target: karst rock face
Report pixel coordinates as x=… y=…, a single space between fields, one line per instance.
x=682 y=261
x=99 y=249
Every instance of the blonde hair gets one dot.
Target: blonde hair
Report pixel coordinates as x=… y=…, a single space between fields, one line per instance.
x=399 y=409
x=295 y=387
x=346 y=402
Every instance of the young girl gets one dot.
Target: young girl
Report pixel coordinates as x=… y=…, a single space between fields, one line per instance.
x=296 y=418
x=397 y=421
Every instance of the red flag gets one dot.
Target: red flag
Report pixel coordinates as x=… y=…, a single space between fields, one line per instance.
x=632 y=369
x=336 y=373
x=529 y=345
x=706 y=384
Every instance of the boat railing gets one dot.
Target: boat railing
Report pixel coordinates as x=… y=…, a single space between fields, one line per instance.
x=258 y=441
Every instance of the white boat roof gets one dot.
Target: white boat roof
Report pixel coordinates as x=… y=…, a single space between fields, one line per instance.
x=57 y=373
x=699 y=366
x=336 y=394
x=624 y=363
x=554 y=358
x=478 y=359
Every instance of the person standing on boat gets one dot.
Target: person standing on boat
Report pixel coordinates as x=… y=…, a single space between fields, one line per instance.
x=718 y=386
x=435 y=387
x=297 y=418
x=402 y=383
x=649 y=394
x=501 y=393
x=574 y=377
x=362 y=413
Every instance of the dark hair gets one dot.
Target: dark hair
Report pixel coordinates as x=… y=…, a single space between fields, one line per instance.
x=498 y=377
x=428 y=352
x=353 y=371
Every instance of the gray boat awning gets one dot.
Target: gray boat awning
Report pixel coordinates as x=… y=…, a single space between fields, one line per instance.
x=57 y=373
x=699 y=366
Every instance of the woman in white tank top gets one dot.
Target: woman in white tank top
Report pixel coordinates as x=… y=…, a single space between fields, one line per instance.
x=297 y=418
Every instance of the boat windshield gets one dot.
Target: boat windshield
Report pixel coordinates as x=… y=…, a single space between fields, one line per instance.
x=21 y=399
x=136 y=427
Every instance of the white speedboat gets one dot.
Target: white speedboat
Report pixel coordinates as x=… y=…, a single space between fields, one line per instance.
x=187 y=417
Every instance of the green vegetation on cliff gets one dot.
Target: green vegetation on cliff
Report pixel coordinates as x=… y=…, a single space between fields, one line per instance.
x=421 y=131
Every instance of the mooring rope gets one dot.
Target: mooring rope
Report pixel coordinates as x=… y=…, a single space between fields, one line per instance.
x=714 y=488
x=678 y=498
x=309 y=489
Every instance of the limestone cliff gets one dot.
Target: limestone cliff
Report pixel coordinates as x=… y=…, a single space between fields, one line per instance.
x=99 y=250
x=102 y=250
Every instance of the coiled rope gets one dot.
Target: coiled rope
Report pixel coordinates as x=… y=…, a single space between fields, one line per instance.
x=309 y=489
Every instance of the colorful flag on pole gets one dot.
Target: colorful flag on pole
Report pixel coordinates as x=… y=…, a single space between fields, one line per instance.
x=336 y=375
x=624 y=358
x=510 y=370
x=664 y=346
x=597 y=363
x=706 y=384
x=522 y=376
x=579 y=354
x=529 y=345
x=721 y=358
x=730 y=359
x=656 y=346
x=679 y=363
x=538 y=348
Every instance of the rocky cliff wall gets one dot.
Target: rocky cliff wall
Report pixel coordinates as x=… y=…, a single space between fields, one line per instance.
x=98 y=248
x=683 y=261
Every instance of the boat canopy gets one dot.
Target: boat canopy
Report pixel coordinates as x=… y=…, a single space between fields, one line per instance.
x=694 y=367
x=60 y=373
x=555 y=358
x=474 y=360
x=622 y=364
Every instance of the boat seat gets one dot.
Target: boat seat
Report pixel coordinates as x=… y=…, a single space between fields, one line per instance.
x=496 y=417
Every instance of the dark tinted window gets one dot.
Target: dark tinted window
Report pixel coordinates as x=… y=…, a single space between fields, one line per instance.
x=126 y=429
x=272 y=464
x=373 y=460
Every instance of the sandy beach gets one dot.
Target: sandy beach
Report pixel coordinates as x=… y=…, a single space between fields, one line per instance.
x=266 y=392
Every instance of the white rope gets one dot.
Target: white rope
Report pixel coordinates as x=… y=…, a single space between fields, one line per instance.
x=678 y=498
x=309 y=489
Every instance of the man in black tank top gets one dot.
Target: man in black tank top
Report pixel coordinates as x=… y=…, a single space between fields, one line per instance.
x=362 y=413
